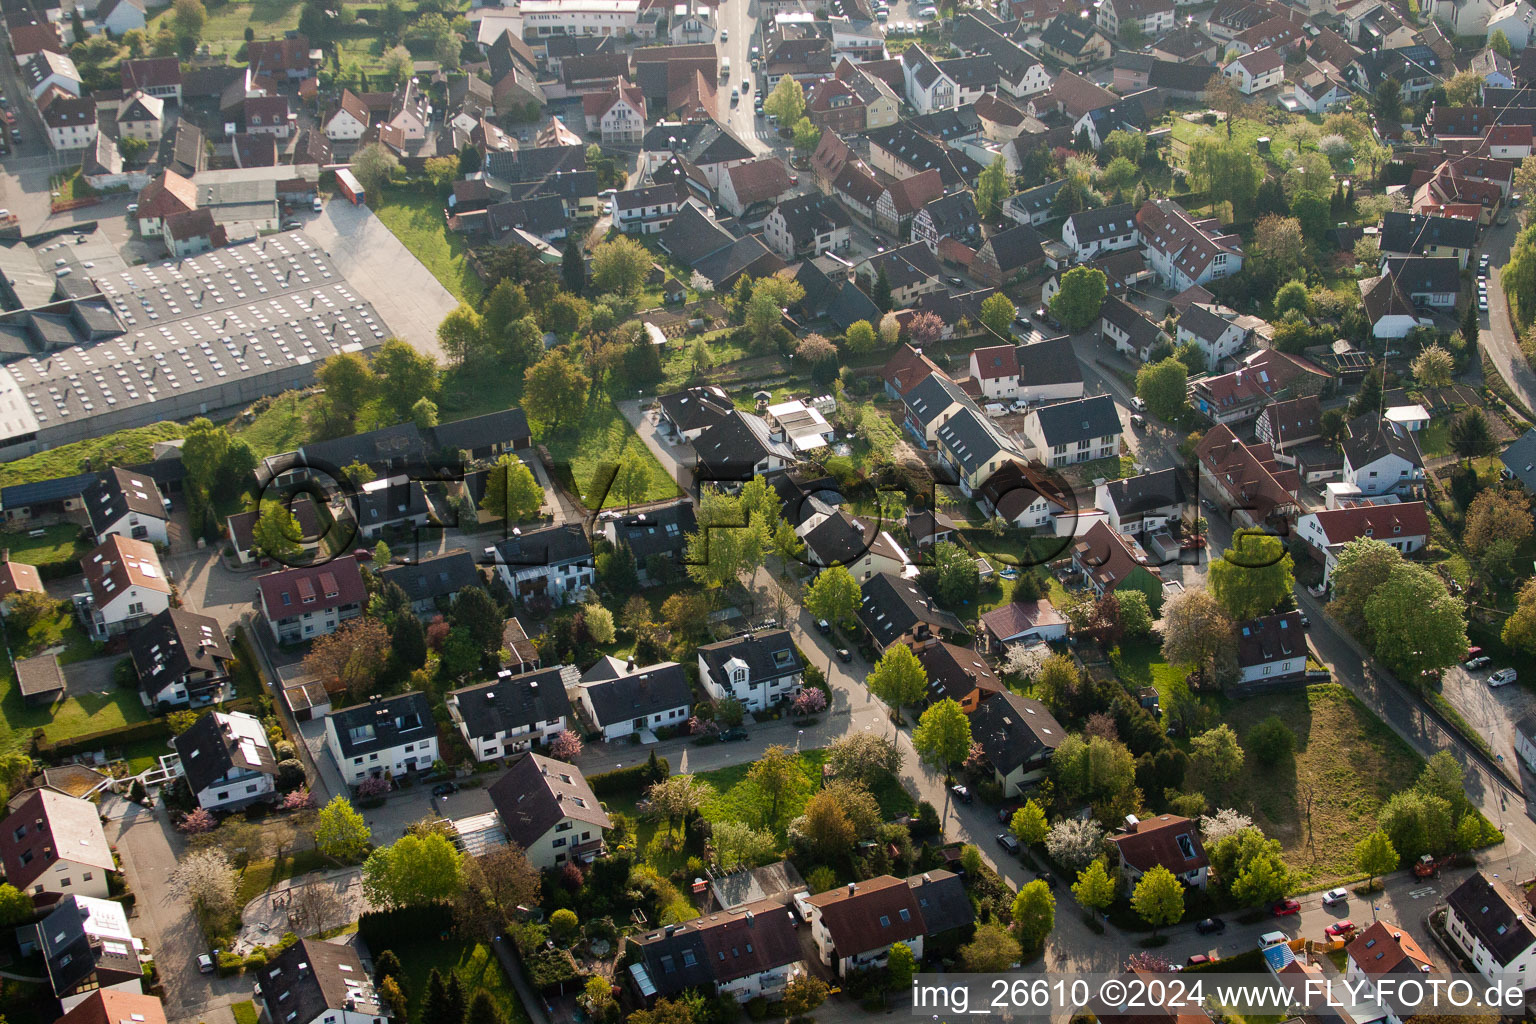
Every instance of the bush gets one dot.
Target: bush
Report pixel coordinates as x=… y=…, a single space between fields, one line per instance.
x=1271 y=741
x=927 y=823
x=634 y=779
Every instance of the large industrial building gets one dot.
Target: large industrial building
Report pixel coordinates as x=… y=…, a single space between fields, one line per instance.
x=174 y=339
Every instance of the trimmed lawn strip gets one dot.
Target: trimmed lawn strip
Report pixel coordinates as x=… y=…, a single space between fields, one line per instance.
x=261 y=875
x=244 y=1011
x=602 y=439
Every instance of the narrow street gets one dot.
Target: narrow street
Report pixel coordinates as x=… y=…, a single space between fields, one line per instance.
x=1499 y=341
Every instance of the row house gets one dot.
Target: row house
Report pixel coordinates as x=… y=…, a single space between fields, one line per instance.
x=1108 y=561
x=1091 y=233
x=952 y=216
x=513 y=713
x=1265 y=376
x=1148 y=17
x=972 y=445
x=649 y=210
x=1068 y=433
x=1290 y=424
x=808 y=226
x=1184 y=251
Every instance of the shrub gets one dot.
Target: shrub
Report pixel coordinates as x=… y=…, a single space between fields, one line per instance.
x=563 y=925
x=633 y=779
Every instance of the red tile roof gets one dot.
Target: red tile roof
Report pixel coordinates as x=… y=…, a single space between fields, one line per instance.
x=309 y=588
x=150 y=73
x=29 y=39
x=1157 y=841
x=1110 y=556
x=996 y=361
x=1404 y=519
x=1386 y=949
x=169 y=193
x=19 y=578
x=1249 y=473
x=111 y=1006
x=870 y=916
x=122 y=562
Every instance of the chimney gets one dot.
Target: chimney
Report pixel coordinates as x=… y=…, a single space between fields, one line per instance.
x=851 y=888
x=1131 y=821
x=629 y=666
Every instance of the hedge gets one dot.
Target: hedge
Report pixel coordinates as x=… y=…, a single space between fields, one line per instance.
x=380 y=929
x=623 y=781
x=155 y=728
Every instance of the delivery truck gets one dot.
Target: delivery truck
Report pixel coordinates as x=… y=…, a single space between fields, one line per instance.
x=350 y=187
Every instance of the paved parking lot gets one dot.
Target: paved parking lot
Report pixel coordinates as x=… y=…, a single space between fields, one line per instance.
x=1491 y=711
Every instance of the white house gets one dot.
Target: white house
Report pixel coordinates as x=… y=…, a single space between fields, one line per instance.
x=547 y=809
x=1388 y=309
x=1256 y=71
x=855 y=926
x=1525 y=740
x=47 y=70
x=759 y=669
x=315 y=982
x=308 y=601
x=761 y=943
x=1183 y=251
x=1492 y=927
x=932 y=85
x=182 y=659
x=1380 y=460
x=511 y=714
x=119 y=16
x=53 y=843
x=1271 y=647
x=387 y=737
x=836 y=538
x=126 y=587
x=1402 y=524
x=1217 y=331
x=70 y=120
x=1515 y=21
x=1140 y=505
x=648 y=210
x=808 y=226
x=1383 y=950
x=127 y=503
x=1072 y=432
x=1463 y=17
x=87 y=948
x=1150 y=17
x=1092 y=233
x=349 y=120
x=751 y=190
x=554 y=562
x=622 y=699
x=227 y=761
x=543 y=18
x=1168 y=841
x=618 y=115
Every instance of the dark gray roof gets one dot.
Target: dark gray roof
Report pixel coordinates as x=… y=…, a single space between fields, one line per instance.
x=509 y=426
x=1417 y=275
x=174 y=643
x=208 y=750
x=768 y=653
x=1371 y=438
x=307 y=979
x=383 y=724
x=1086 y=418
x=537 y=215
x=806 y=216
x=972 y=439
x=1033 y=200
x=1201 y=320
x=1015 y=730
x=1493 y=917
x=1412 y=232
x=1053 y=361
x=660 y=530
x=922 y=153
x=949 y=123
x=850 y=305
x=548 y=545
x=1132 y=321
x=1017 y=247
x=400 y=443
x=930 y=398
x=639 y=693
x=891 y=607
x=395 y=501
x=729 y=450
x=72 y=955
x=537 y=792
x=118 y=492
x=435 y=576
x=691 y=236
x=534 y=163
x=513 y=702
x=695 y=408
x=942 y=901
x=1069 y=34
x=954 y=213
x=1103 y=222
x=1520 y=458
x=1137 y=495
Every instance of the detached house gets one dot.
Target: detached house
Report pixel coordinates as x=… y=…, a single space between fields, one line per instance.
x=547 y=809
x=957 y=674
x=1091 y=233
x=227 y=760
x=1404 y=525
x=514 y=712
x=312 y=600
x=1183 y=251
x=1110 y=560
x=182 y=659
x=1071 y=432
x=752 y=952
x=1270 y=648
x=1167 y=841
x=750 y=191
x=1150 y=17
x=51 y=843
x=315 y=982
x=1492 y=927
x=1256 y=71
x=126 y=587
x=807 y=226
x=1022 y=622
x=350 y=119
x=836 y=538
x=70 y=120
x=387 y=737
x=622 y=699
x=88 y=948
x=129 y=504
x=554 y=562
x=1381 y=459
x=759 y=669
x=1019 y=736
x=1140 y=505
x=894 y=609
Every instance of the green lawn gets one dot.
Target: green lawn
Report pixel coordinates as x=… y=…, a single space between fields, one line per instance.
x=1244 y=132
x=74 y=716
x=124 y=448
x=739 y=799
x=1434 y=439
x=1141 y=664
x=244 y=1011
x=417 y=220
x=602 y=438
x=224 y=31
x=282 y=426
x=474 y=962
x=59 y=543
x=261 y=875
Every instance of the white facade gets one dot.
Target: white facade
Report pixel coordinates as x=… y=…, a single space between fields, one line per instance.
x=1085 y=450
x=622 y=122
x=71 y=878
x=1310 y=530
x=127 y=610
x=1386 y=475
x=560 y=582
x=754 y=694
x=1515 y=21
x=124 y=16
x=343 y=126
x=403 y=757
x=72 y=136
x=1521 y=966
x=674 y=716
x=239 y=786
x=1089 y=248
x=855 y=962
x=138 y=527
x=543 y=18
x=1228 y=343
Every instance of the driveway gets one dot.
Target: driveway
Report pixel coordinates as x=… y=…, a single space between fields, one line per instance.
x=676 y=459
x=1493 y=712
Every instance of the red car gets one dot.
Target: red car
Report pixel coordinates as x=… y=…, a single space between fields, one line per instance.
x=1340 y=930
x=363 y=555
x=1285 y=908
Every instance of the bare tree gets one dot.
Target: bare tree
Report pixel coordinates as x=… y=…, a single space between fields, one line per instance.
x=205 y=879
x=496 y=884
x=313 y=908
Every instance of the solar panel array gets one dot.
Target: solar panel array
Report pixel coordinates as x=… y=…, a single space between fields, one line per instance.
x=194 y=324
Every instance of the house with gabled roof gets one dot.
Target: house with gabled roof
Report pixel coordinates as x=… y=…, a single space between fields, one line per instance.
x=1140 y=505
x=1089 y=233
x=350 y=119
x=1167 y=841
x=747 y=952
x=1325 y=531
x=1150 y=17
x=1022 y=622
x=759 y=669
x=554 y=562
x=1067 y=433
x=837 y=538
x=1018 y=735
x=1257 y=70
x=895 y=609
x=227 y=760
x=622 y=699
x=87 y=947
x=1131 y=331
x=1109 y=560
x=930 y=404
x=807 y=225
x=1246 y=480
x=1007 y=255
x=752 y=189
x=974 y=447
x=618 y=114
x=159 y=77
x=315 y=982
x=126 y=586
x=53 y=844
x=1265 y=376
x=1382 y=458
x=1021 y=495
x=182 y=659
x=385 y=737
x=950 y=216
x=1289 y=424
x=854 y=927
x=305 y=602
x=128 y=503
x=1184 y=251
x=1270 y=649
x=1074 y=40
x=1492 y=926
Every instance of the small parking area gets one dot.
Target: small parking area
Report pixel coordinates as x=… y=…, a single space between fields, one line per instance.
x=90 y=678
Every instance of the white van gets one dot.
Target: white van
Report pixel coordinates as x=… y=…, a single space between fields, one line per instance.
x=994 y=409
x=1272 y=938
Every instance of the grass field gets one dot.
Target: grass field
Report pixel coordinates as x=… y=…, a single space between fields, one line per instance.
x=1348 y=762
x=1141 y=664
x=74 y=716
x=1246 y=133
x=124 y=448
x=260 y=875
x=224 y=31
x=59 y=543
x=603 y=438
x=244 y=1012
x=737 y=798
x=282 y=426
x=417 y=220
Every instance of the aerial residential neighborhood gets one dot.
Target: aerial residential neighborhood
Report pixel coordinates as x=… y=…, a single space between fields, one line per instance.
x=606 y=511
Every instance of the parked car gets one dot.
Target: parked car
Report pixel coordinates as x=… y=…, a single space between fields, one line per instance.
x=1197 y=960
x=1138 y=421
x=363 y=555
x=1335 y=897
x=1008 y=842
x=1138 y=404
x=823 y=626
x=1211 y=926
x=445 y=788
x=1046 y=877
x=1481 y=661
x=291 y=225
x=1286 y=907
x=1503 y=677
x=205 y=963
x=1474 y=650
x=1340 y=930
x=844 y=655
x=1272 y=938
x=961 y=793
x=733 y=735
x=1306 y=623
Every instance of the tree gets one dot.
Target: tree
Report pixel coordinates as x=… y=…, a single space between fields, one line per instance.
x=404 y=376
x=1498 y=42
x=881 y=293
x=833 y=595
x=349 y=383
x=555 y=389
x=807 y=136
x=1217 y=753
x=1094 y=888
x=763 y=319
x=1519 y=629
x=1074 y=842
x=1158 y=898
x=951 y=575
x=340 y=832
x=992 y=190
x=483 y=1010
x=1374 y=855
x=198 y=821
x=400 y=65
x=276 y=532
x=1118 y=175
x=925 y=328
x=373 y=166
x=424 y=413
x=738 y=844
x=1470 y=435
x=1135 y=614
x=1028 y=824
x=997 y=313
x=15 y=905
x=189 y=17
x=573 y=266
x=1416 y=625
x=1262 y=880
x=804 y=992
x=1271 y=741
x=1096 y=769
x=351 y=658
x=1293 y=296
x=900 y=966
x=899 y=679
x=1368 y=252
x=1163 y=386
x=1433 y=367
x=991 y=950
x=1223 y=95
x=1196 y=631
x=1387 y=100
x=1252 y=576
x=824 y=827
x=861 y=337
x=863 y=757
x=1496 y=515
x=511 y=492
x=787 y=101
x=1229 y=168
x=1463 y=89
x=496 y=883
x=677 y=796
x=1034 y=913
x=409 y=641
x=943 y=734
x=1081 y=297
x=1279 y=242
x=632 y=479
x=619 y=266
x=1416 y=823
x=462 y=333
x=775 y=774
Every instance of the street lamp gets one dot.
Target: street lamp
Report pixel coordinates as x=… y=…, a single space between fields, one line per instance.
x=798 y=734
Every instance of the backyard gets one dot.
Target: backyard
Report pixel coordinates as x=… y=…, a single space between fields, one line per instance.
x=602 y=438
x=417 y=220
x=123 y=448
x=473 y=961
x=59 y=543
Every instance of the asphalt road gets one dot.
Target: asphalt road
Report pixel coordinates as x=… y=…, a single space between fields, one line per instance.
x=1498 y=338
